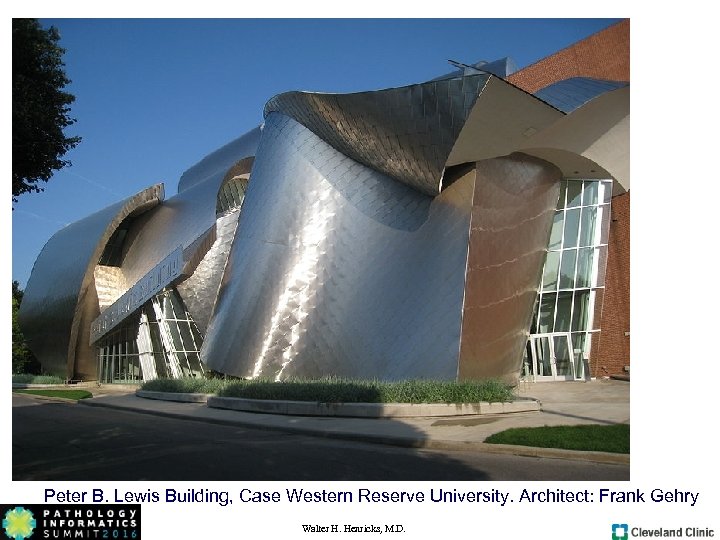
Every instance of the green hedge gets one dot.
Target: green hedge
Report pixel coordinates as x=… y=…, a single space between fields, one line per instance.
x=337 y=390
x=24 y=378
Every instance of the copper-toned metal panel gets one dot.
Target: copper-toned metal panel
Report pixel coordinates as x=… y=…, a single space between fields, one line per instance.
x=513 y=207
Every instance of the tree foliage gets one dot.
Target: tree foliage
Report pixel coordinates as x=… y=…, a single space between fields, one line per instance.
x=23 y=360
x=40 y=106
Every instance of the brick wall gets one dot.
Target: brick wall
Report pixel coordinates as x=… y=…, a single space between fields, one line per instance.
x=611 y=350
x=605 y=55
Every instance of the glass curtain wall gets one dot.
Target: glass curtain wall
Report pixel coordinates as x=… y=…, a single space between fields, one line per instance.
x=118 y=357
x=574 y=273
x=161 y=340
x=231 y=195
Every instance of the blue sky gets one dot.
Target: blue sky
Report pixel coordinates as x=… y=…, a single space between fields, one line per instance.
x=156 y=96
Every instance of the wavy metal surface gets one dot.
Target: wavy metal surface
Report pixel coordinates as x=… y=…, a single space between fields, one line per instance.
x=570 y=94
x=221 y=160
x=60 y=299
x=406 y=133
x=513 y=206
x=179 y=221
x=338 y=269
x=347 y=258
x=200 y=290
x=187 y=220
x=503 y=68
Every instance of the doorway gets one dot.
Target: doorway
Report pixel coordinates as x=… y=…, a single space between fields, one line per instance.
x=549 y=357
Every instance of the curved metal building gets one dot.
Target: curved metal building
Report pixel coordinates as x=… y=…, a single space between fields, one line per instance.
x=400 y=233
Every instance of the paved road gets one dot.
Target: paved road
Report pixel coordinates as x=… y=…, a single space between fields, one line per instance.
x=64 y=441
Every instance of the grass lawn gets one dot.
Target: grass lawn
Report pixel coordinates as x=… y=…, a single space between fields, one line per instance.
x=600 y=438
x=67 y=394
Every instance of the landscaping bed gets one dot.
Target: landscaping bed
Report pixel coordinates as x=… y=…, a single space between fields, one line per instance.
x=336 y=390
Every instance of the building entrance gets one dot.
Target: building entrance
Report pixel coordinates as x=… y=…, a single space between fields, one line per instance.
x=549 y=357
x=160 y=341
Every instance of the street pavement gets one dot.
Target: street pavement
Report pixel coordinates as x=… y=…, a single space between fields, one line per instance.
x=604 y=401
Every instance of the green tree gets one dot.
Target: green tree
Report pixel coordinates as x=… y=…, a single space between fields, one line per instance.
x=23 y=360
x=40 y=106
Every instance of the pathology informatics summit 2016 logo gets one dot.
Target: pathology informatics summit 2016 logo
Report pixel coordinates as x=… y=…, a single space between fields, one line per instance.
x=79 y=521
x=18 y=523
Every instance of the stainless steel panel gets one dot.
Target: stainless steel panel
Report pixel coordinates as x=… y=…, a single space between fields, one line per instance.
x=60 y=299
x=347 y=258
x=513 y=207
x=220 y=161
x=189 y=220
x=337 y=269
x=200 y=290
x=406 y=133
x=570 y=94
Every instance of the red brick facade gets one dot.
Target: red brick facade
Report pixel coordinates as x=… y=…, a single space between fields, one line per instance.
x=612 y=352
x=605 y=55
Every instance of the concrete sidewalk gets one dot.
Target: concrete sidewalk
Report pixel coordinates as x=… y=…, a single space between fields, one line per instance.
x=563 y=403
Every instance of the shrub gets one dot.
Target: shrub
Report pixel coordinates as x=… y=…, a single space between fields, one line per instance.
x=26 y=378
x=337 y=390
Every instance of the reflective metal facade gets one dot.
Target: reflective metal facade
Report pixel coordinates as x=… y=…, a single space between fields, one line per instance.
x=393 y=234
x=570 y=94
x=338 y=269
x=405 y=133
x=60 y=299
x=513 y=208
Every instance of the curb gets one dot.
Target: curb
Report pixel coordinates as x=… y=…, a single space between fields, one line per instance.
x=173 y=396
x=405 y=442
x=350 y=410
x=369 y=410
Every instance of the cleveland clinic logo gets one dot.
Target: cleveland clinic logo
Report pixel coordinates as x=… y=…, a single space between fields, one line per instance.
x=619 y=531
x=18 y=523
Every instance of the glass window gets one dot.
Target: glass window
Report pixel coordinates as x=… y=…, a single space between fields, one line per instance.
x=178 y=308
x=161 y=365
x=557 y=230
x=564 y=311
x=572 y=222
x=561 y=200
x=574 y=193
x=186 y=335
x=567 y=269
x=550 y=275
x=231 y=195
x=580 y=312
x=571 y=295
x=587 y=226
x=584 y=267
x=547 y=309
x=590 y=193
x=605 y=192
x=578 y=340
